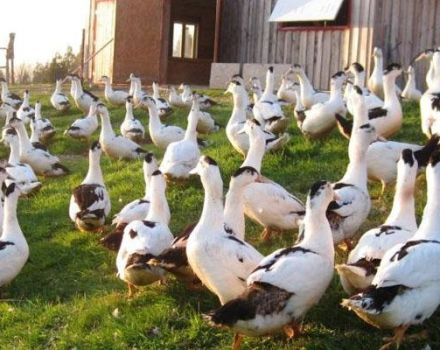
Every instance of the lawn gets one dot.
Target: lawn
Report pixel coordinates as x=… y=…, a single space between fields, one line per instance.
x=68 y=296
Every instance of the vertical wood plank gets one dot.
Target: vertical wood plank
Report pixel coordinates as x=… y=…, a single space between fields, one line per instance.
x=266 y=32
x=310 y=54
x=327 y=51
x=302 y=59
x=317 y=59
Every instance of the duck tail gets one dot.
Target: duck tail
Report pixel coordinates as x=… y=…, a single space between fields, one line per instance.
x=112 y=241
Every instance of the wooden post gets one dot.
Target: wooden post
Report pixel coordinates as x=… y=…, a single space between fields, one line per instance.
x=82 y=52
x=10 y=59
x=218 y=20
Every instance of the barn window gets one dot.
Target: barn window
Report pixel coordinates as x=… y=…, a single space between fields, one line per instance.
x=311 y=14
x=184 y=40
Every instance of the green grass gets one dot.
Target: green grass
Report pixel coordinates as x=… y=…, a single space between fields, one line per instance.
x=66 y=295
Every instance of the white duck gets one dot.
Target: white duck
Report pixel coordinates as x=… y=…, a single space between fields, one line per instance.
x=41 y=161
x=6 y=109
x=26 y=112
x=358 y=273
x=136 y=89
x=239 y=140
x=83 y=98
x=14 y=250
x=90 y=202
x=8 y=97
x=35 y=138
x=431 y=74
x=187 y=96
x=116 y=146
x=287 y=90
x=131 y=127
x=146 y=239
x=22 y=173
x=182 y=156
x=265 y=201
x=44 y=125
x=288 y=282
x=387 y=119
x=430 y=101
x=58 y=99
x=348 y=213
x=162 y=135
x=371 y=100
x=375 y=82
x=135 y=210
x=406 y=288
x=114 y=97
x=162 y=105
x=175 y=99
x=309 y=96
x=410 y=91
x=84 y=127
x=267 y=110
x=382 y=158
x=320 y=120
x=175 y=260
x=210 y=244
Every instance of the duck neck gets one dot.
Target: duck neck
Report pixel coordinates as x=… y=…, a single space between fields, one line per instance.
x=58 y=86
x=359 y=79
x=268 y=89
x=318 y=235
x=378 y=65
x=389 y=90
x=73 y=88
x=305 y=85
x=212 y=212
x=5 y=89
x=403 y=212
x=234 y=209
x=25 y=143
x=37 y=111
x=158 y=204
x=428 y=228
x=94 y=174
x=241 y=101
x=156 y=92
x=411 y=83
x=11 y=227
x=190 y=132
x=154 y=122
x=14 y=154
x=26 y=100
x=257 y=149
x=128 y=112
x=132 y=87
x=335 y=93
x=356 y=173
x=108 y=90
x=35 y=134
x=106 y=128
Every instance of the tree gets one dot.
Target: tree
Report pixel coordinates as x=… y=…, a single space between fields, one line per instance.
x=23 y=74
x=57 y=67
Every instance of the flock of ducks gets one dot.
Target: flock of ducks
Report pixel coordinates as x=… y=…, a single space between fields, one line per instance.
x=390 y=275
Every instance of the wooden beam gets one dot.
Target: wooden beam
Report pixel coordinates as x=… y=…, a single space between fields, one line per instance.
x=218 y=23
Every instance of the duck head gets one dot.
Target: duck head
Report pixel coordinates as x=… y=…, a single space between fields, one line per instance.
x=235 y=87
x=407 y=167
x=147 y=102
x=209 y=172
x=13 y=191
x=15 y=122
x=101 y=108
x=244 y=176
x=392 y=71
x=361 y=139
x=377 y=52
x=150 y=164
x=321 y=194
x=95 y=149
x=9 y=135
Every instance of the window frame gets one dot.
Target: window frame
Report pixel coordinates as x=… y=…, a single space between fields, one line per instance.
x=323 y=27
x=182 y=48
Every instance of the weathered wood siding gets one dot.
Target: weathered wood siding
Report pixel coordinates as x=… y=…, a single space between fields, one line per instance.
x=403 y=28
x=248 y=37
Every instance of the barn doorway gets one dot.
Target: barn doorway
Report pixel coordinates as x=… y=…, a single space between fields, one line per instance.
x=191 y=41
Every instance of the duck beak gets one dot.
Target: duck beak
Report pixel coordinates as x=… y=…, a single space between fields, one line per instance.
x=194 y=171
x=259 y=179
x=128 y=80
x=9 y=177
x=336 y=197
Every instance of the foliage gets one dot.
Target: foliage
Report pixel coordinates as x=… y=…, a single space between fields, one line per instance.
x=57 y=67
x=67 y=294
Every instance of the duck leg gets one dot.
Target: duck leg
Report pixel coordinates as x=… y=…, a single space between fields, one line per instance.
x=293 y=330
x=266 y=234
x=236 y=345
x=131 y=290
x=397 y=339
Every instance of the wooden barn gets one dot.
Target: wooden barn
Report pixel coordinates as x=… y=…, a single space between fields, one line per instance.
x=206 y=41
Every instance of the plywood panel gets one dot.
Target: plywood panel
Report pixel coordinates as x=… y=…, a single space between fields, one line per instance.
x=104 y=31
x=327 y=49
